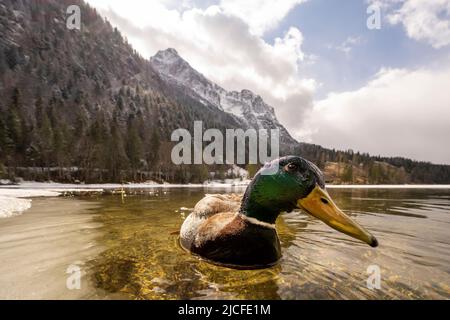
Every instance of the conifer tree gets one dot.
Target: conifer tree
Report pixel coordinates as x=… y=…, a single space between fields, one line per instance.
x=134 y=146
x=117 y=159
x=3 y=137
x=3 y=64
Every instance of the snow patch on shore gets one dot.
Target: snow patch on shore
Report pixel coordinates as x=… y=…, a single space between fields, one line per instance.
x=27 y=193
x=66 y=187
x=12 y=201
x=13 y=206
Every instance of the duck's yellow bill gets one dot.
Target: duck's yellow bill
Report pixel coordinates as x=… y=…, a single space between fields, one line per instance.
x=320 y=205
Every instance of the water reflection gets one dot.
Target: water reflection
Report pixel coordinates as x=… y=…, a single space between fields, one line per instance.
x=143 y=260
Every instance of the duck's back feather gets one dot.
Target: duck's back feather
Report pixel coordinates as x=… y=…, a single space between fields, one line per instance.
x=207 y=207
x=212 y=204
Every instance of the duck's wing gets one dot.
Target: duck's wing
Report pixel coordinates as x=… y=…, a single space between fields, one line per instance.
x=210 y=205
x=213 y=204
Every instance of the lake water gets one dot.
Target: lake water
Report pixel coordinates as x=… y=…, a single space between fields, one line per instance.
x=133 y=251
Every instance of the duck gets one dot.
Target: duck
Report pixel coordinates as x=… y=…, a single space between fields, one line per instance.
x=238 y=231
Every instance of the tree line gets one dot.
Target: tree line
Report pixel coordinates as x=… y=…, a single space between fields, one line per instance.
x=84 y=106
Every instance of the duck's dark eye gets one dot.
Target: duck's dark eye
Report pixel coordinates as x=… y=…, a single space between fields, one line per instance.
x=325 y=201
x=291 y=167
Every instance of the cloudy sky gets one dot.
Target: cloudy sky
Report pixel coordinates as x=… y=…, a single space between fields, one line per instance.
x=331 y=79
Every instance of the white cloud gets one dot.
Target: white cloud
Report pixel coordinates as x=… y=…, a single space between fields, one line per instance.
x=224 y=46
x=261 y=15
x=348 y=44
x=427 y=21
x=400 y=112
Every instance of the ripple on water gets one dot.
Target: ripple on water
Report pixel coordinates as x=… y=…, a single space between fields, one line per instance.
x=144 y=261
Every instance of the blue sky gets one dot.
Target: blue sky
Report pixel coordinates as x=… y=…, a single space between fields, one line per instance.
x=326 y=23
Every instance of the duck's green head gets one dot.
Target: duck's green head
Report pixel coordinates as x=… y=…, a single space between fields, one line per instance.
x=292 y=182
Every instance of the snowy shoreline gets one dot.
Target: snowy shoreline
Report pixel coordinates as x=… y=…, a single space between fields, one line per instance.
x=38 y=187
x=15 y=199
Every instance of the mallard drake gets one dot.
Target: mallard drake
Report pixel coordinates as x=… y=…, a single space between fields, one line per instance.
x=239 y=231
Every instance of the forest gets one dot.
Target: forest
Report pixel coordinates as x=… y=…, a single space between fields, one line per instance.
x=83 y=106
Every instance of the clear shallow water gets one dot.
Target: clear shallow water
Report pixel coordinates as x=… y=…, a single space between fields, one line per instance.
x=143 y=260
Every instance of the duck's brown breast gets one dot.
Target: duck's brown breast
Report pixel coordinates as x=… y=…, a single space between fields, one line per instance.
x=233 y=240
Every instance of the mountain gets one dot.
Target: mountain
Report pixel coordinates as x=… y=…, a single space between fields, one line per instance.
x=83 y=105
x=251 y=111
x=246 y=106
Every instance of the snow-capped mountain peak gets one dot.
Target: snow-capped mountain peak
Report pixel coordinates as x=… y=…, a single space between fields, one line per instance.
x=248 y=107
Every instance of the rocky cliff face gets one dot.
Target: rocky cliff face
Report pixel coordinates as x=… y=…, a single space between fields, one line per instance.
x=245 y=106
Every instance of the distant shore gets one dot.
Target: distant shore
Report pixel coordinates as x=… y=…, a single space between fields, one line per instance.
x=230 y=183
x=17 y=198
